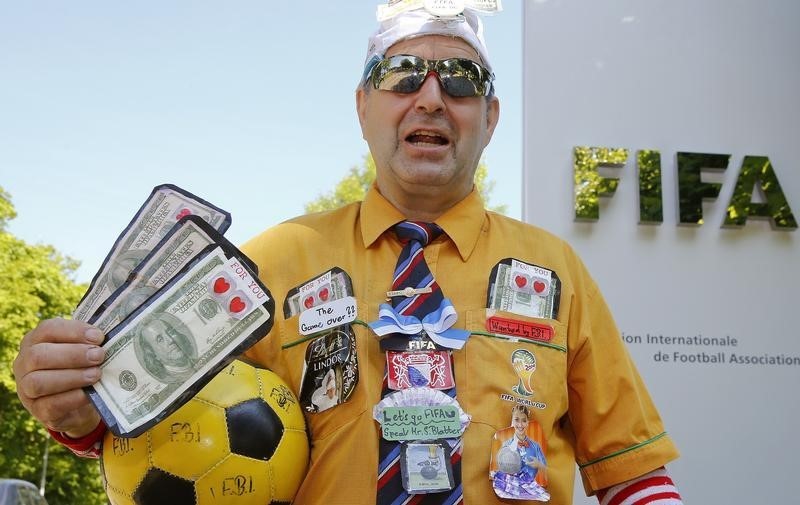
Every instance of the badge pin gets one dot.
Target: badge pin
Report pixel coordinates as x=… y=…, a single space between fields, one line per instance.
x=433 y=369
x=445 y=8
x=420 y=414
x=426 y=467
x=408 y=292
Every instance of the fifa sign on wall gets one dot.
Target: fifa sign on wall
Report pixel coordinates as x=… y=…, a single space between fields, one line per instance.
x=660 y=140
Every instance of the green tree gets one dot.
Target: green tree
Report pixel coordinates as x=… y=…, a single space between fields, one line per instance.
x=35 y=284
x=353 y=186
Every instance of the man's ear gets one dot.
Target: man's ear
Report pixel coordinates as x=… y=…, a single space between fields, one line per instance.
x=361 y=107
x=492 y=117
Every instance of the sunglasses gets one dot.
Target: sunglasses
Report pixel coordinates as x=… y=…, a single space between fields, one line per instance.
x=403 y=73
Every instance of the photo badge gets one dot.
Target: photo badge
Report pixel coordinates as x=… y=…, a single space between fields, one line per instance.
x=524 y=289
x=330 y=371
x=518 y=463
x=426 y=468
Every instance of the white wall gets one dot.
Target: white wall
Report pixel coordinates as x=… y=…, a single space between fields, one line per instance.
x=715 y=76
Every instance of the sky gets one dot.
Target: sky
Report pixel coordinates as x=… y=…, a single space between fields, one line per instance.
x=249 y=105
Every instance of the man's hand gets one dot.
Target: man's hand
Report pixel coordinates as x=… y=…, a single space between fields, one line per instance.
x=56 y=359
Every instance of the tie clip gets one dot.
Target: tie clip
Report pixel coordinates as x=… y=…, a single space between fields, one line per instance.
x=408 y=292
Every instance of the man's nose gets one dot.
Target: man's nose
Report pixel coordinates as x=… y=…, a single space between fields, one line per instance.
x=430 y=95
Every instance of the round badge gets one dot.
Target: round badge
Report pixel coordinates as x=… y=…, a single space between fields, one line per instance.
x=444 y=8
x=127 y=380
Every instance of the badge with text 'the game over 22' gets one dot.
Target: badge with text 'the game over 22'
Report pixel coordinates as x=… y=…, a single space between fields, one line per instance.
x=326 y=308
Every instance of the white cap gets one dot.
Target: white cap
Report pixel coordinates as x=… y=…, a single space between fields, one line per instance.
x=419 y=22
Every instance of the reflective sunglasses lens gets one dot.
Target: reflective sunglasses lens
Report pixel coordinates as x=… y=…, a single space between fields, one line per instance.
x=401 y=74
x=401 y=81
x=405 y=74
x=462 y=78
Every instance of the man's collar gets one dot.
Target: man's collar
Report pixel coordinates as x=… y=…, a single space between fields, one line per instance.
x=462 y=223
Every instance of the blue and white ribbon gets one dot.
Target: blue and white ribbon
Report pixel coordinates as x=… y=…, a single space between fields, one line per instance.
x=437 y=325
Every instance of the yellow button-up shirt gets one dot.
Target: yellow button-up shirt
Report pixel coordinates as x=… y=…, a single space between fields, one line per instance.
x=587 y=397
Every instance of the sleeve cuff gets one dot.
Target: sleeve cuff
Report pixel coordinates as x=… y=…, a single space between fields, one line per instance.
x=655 y=487
x=88 y=446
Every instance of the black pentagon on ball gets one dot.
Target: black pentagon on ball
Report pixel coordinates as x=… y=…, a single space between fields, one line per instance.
x=255 y=430
x=159 y=487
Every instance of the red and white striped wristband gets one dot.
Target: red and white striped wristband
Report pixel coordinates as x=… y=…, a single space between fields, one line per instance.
x=654 y=488
x=88 y=446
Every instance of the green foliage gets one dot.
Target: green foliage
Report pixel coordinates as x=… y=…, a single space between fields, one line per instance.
x=485 y=188
x=7 y=212
x=353 y=186
x=35 y=284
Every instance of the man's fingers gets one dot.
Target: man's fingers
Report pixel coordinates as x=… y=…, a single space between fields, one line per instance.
x=64 y=411
x=63 y=331
x=47 y=356
x=47 y=384
x=58 y=343
x=56 y=359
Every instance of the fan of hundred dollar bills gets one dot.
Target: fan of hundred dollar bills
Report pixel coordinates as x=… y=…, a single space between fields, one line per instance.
x=177 y=303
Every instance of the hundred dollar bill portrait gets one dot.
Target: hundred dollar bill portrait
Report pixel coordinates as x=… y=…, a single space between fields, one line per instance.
x=121 y=267
x=165 y=347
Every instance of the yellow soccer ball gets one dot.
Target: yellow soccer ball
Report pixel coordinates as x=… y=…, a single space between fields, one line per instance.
x=241 y=440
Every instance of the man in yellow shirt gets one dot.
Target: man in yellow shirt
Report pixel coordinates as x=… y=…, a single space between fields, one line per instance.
x=522 y=322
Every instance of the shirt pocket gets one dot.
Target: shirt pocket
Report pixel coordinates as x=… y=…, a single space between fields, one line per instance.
x=323 y=424
x=497 y=371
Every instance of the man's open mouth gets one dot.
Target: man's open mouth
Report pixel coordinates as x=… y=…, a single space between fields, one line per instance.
x=424 y=138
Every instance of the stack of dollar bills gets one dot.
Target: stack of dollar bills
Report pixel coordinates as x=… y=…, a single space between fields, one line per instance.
x=177 y=303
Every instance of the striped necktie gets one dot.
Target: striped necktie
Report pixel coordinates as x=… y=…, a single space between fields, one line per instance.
x=412 y=272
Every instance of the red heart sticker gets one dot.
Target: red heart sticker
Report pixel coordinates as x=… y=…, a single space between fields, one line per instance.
x=323 y=294
x=183 y=213
x=221 y=285
x=539 y=286
x=237 y=305
x=309 y=302
x=521 y=280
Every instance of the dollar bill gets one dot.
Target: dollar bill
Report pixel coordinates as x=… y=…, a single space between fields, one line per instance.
x=181 y=245
x=332 y=285
x=169 y=347
x=503 y=295
x=166 y=205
